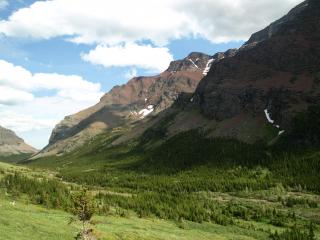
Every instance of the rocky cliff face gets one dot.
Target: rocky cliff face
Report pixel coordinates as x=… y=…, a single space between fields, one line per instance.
x=133 y=101
x=11 y=144
x=274 y=27
x=264 y=83
x=253 y=94
x=270 y=81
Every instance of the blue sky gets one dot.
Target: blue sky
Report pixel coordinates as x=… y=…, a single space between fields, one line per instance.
x=58 y=57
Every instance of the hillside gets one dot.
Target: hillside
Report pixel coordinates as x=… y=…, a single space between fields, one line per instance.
x=224 y=148
x=128 y=103
x=268 y=83
x=251 y=94
x=255 y=94
x=264 y=94
x=13 y=147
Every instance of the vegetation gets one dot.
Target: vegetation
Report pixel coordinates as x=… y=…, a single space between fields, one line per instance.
x=83 y=209
x=268 y=191
x=14 y=158
x=48 y=192
x=295 y=234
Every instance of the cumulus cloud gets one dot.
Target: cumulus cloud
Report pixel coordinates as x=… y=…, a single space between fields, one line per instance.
x=112 y=22
x=23 y=122
x=24 y=110
x=130 y=55
x=22 y=82
x=11 y=96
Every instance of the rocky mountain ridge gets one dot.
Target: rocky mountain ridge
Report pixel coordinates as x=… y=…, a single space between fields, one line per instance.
x=274 y=27
x=130 y=102
x=254 y=94
x=242 y=93
x=268 y=83
x=11 y=144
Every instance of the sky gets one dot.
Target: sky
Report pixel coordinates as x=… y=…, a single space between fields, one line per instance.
x=58 y=57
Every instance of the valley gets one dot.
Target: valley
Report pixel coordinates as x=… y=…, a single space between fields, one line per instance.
x=134 y=205
x=223 y=146
x=208 y=199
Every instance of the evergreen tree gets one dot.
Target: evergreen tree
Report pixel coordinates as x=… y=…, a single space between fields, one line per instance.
x=83 y=209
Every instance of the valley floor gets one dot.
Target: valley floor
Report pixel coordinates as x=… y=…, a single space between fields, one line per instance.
x=23 y=221
x=20 y=219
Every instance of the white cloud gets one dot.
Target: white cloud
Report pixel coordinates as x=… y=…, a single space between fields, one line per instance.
x=11 y=96
x=23 y=110
x=113 y=22
x=16 y=78
x=24 y=123
x=130 y=55
x=3 y=4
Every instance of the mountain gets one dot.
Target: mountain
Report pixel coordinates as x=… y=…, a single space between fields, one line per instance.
x=251 y=94
x=275 y=27
x=240 y=150
x=12 y=145
x=255 y=94
x=129 y=103
x=268 y=83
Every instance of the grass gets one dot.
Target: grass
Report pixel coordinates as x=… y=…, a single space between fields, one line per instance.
x=132 y=228
x=188 y=187
x=14 y=158
x=28 y=221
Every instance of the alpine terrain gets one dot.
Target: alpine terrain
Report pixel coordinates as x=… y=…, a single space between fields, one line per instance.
x=13 y=147
x=219 y=146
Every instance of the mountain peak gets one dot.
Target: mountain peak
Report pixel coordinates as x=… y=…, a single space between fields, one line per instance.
x=274 y=27
x=269 y=82
x=11 y=144
x=128 y=103
x=193 y=62
x=9 y=137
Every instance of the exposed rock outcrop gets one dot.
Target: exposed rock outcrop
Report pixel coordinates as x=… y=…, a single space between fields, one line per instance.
x=11 y=144
x=274 y=27
x=127 y=103
x=253 y=94
x=278 y=74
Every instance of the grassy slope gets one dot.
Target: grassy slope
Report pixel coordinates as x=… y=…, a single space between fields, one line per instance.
x=191 y=174
x=27 y=221
x=24 y=220
x=14 y=158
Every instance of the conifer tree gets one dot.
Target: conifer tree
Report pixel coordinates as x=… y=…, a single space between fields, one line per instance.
x=83 y=210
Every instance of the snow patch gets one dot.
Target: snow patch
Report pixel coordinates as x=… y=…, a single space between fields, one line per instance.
x=208 y=66
x=193 y=63
x=268 y=116
x=145 y=112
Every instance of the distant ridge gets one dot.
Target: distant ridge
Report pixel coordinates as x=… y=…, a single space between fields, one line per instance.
x=11 y=144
